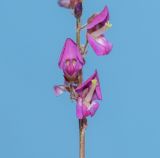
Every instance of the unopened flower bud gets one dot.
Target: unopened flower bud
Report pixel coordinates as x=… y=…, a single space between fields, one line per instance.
x=78 y=10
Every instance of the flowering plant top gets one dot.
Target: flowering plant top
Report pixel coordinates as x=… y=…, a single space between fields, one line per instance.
x=72 y=59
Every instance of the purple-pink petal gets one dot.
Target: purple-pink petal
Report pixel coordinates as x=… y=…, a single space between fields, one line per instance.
x=100 y=45
x=102 y=16
x=70 y=51
x=71 y=60
x=94 y=108
x=79 y=106
x=64 y=3
x=87 y=84
x=59 y=89
x=83 y=111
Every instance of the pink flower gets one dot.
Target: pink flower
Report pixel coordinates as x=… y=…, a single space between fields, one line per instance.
x=88 y=92
x=71 y=61
x=97 y=25
x=69 y=3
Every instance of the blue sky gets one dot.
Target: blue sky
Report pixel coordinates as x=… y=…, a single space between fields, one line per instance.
x=36 y=124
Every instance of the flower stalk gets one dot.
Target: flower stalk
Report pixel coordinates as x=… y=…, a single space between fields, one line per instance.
x=82 y=122
x=78 y=31
x=82 y=128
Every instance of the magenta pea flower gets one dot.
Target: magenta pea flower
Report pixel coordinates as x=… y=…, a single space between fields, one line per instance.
x=71 y=60
x=96 y=27
x=88 y=92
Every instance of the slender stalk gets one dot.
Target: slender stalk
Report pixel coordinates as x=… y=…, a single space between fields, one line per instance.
x=83 y=27
x=82 y=127
x=78 y=24
x=82 y=122
x=85 y=47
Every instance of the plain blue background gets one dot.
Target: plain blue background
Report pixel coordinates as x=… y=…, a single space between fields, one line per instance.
x=36 y=124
